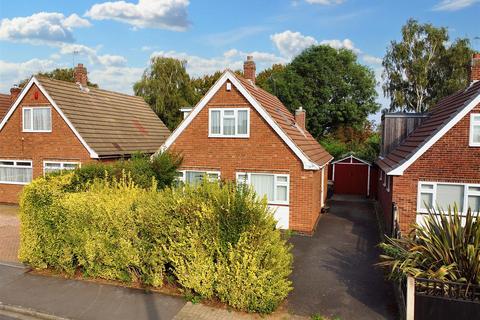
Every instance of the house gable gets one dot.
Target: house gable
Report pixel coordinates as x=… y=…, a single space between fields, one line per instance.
x=229 y=76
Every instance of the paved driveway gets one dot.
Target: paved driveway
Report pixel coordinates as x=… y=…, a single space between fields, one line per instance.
x=333 y=270
x=9 y=233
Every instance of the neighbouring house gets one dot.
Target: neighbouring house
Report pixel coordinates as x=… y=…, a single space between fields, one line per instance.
x=6 y=100
x=432 y=159
x=58 y=125
x=240 y=132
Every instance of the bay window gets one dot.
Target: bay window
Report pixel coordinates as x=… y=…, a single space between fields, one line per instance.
x=194 y=176
x=442 y=195
x=229 y=122
x=16 y=171
x=475 y=130
x=276 y=187
x=37 y=119
x=53 y=166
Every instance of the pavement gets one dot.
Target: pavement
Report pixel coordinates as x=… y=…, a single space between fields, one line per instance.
x=333 y=270
x=9 y=233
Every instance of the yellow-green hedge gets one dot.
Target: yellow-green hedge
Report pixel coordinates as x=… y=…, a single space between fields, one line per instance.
x=213 y=240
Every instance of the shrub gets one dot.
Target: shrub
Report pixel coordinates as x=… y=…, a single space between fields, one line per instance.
x=444 y=248
x=214 y=240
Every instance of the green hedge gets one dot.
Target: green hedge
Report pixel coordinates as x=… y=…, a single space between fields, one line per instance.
x=214 y=240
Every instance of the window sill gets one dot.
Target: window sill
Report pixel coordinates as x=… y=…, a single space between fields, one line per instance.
x=224 y=136
x=284 y=204
x=37 y=131
x=14 y=183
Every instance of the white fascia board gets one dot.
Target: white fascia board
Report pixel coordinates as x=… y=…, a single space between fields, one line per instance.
x=353 y=157
x=404 y=166
x=33 y=81
x=228 y=75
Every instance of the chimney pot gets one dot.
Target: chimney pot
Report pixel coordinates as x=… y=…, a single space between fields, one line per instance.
x=474 y=74
x=80 y=75
x=249 y=69
x=301 y=117
x=14 y=92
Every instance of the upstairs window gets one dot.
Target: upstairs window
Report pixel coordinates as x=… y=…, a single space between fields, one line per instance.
x=475 y=130
x=276 y=187
x=37 y=119
x=234 y=123
x=15 y=171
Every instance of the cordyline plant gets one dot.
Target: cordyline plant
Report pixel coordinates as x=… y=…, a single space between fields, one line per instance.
x=446 y=248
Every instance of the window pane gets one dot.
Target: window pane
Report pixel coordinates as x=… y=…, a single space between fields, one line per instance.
x=448 y=195
x=242 y=122
x=281 y=179
x=228 y=126
x=426 y=200
x=474 y=203
x=242 y=178
x=264 y=185
x=476 y=133
x=6 y=163
x=27 y=119
x=213 y=176
x=476 y=117
x=194 y=176
x=228 y=113
x=53 y=165
x=282 y=193
x=427 y=186
x=21 y=175
x=215 y=122
x=70 y=166
x=42 y=119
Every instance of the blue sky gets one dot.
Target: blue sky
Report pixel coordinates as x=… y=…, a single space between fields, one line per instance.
x=116 y=39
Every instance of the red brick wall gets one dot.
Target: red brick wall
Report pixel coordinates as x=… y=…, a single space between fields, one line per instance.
x=451 y=159
x=60 y=144
x=264 y=151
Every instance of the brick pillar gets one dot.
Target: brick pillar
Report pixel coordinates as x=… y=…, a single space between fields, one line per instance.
x=249 y=69
x=80 y=75
x=14 y=92
x=475 y=68
x=301 y=117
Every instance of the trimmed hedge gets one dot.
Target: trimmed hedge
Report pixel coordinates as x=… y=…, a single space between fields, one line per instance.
x=215 y=240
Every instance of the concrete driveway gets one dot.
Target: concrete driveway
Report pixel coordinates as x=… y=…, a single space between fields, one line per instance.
x=333 y=272
x=9 y=233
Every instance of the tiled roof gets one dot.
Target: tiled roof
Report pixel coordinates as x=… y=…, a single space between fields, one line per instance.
x=112 y=124
x=284 y=118
x=4 y=105
x=438 y=117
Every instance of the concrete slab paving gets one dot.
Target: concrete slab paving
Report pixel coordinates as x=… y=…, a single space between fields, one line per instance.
x=9 y=233
x=333 y=270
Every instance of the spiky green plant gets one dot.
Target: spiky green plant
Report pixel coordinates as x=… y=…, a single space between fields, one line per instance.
x=446 y=247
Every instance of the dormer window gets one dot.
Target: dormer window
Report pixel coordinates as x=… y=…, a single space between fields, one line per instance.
x=229 y=123
x=37 y=119
x=475 y=130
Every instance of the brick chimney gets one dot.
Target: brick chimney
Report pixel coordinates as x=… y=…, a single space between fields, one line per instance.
x=301 y=117
x=475 y=68
x=80 y=75
x=14 y=92
x=249 y=69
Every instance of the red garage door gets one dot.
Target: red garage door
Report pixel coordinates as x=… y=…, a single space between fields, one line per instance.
x=351 y=176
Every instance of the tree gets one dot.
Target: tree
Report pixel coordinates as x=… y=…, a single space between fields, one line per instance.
x=64 y=74
x=268 y=77
x=202 y=84
x=423 y=68
x=333 y=88
x=166 y=87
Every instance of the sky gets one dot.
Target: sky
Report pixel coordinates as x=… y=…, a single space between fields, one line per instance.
x=115 y=40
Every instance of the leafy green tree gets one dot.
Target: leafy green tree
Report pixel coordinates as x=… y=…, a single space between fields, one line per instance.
x=202 y=84
x=423 y=68
x=166 y=87
x=267 y=78
x=64 y=74
x=330 y=85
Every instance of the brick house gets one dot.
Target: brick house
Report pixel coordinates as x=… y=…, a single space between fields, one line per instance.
x=58 y=125
x=433 y=159
x=240 y=132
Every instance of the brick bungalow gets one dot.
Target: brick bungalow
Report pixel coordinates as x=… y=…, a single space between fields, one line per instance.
x=432 y=159
x=240 y=132
x=58 y=125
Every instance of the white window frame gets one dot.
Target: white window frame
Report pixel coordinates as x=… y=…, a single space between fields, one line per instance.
x=16 y=166
x=62 y=164
x=183 y=175
x=474 y=123
x=275 y=182
x=235 y=115
x=31 y=119
x=466 y=194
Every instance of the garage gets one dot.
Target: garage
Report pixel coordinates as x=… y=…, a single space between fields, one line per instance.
x=352 y=175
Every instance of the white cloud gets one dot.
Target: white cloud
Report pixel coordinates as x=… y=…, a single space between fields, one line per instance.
x=92 y=55
x=12 y=72
x=163 y=14
x=40 y=28
x=325 y=2
x=453 y=5
x=291 y=43
x=118 y=79
x=371 y=59
x=231 y=59
x=341 y=44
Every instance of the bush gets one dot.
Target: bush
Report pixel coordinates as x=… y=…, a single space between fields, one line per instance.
x=445 y=248
x=214 y=240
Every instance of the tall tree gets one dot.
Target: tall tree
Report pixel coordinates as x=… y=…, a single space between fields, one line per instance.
x=267 y=78
x=166 y=87
x=202 y=84
x=64 y=74
x=330 y=85
x=423 y=68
